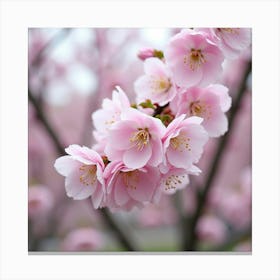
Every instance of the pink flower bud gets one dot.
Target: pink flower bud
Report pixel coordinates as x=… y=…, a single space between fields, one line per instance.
x=146 y=53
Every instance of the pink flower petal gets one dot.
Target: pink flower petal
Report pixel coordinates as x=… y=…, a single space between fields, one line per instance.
x=145 y=184
x=97 y=197
x=77 y=190
x=65 y=165
x=135 y=158
x=120 y=191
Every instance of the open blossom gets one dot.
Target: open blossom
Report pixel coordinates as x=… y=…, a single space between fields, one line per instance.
x=156 y=84
x=183 y=142
x=175 y=179
x=193 y=59
x=111 y=111
x=232 y=41
x=211 y=229
x=209 y=103
x=83 y=170
x=136 y=140
x=127 y=187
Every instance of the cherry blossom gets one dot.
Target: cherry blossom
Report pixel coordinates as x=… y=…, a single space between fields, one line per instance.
x=83 y=170
x=183 y=142
x=111 y=111
x=127 y=187
x=232 y=41
x=194 y=59
x=136 y=139
x=209 y=103
x=156 y=84
x=175 y=179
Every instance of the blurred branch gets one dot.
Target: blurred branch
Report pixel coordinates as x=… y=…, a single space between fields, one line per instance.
x=51 y=44
x=122 y=237
x=42 y=117
x=189 y=234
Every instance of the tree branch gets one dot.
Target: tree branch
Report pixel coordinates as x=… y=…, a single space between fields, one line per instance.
x=190 y=238
x=123 y=239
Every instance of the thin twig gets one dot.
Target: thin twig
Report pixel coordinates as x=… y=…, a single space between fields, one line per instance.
x=190 y=238
x=51 y=44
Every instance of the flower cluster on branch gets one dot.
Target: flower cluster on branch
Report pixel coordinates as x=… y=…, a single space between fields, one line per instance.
x=149 y=148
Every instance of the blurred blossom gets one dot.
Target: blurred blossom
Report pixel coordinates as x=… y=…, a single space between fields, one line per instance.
x=158 y=215
x=244 y=246
x=40 y=201
x=211 y=229
x=82 y=239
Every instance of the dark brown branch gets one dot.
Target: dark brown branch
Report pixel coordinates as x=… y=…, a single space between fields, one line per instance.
x=159 y=110
x=190 y=238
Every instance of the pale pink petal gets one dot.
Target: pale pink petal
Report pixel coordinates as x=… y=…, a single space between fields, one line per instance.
x=146 y=182
x=135 y=158
x=120 y=191
x=66 y=165
x=97 y=197
x=120 y=134
x=78 y=153
x=174 y=180
x=157 y=153
x=112 y=153
x=180 y=159
x=120 y=96
x=217 y=125
x=222 y=92
x=75 y=189
x=184 y=76
x=155 y=66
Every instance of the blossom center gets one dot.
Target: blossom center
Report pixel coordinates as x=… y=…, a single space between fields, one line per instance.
x=140 y=138
x=160 y=85
x=130 y=179
x=172 y=181
x=200 y=109
x=112 y=119
x=195 y=59
x=180 y=142
x=88 y=174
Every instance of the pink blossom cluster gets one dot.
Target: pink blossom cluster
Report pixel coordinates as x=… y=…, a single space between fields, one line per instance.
x=150 y=148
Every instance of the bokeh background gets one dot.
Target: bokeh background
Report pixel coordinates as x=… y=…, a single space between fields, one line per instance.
x=70 y=72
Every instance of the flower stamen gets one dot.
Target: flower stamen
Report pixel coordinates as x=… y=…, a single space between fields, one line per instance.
x=172 y=182
x=160 y=85
x=88 y=176
x=140 y=138
x=195 y=59
x=180 y=142
x=200 y=109
x=130 y=179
